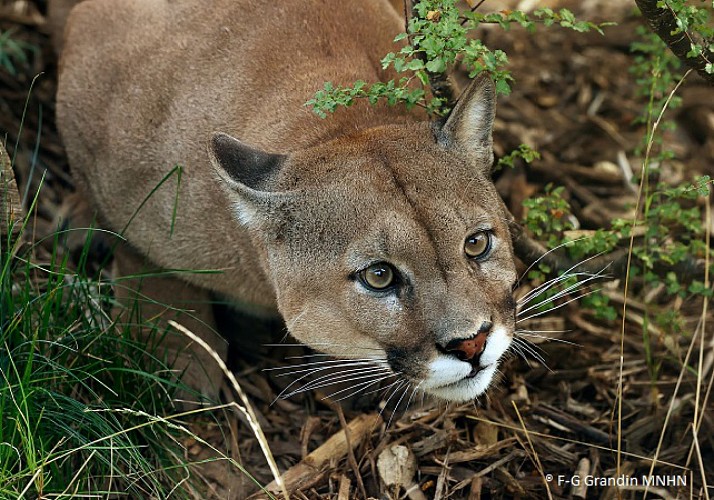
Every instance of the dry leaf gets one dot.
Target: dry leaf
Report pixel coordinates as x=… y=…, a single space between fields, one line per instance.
x=396 y=465
x=433 y=15
x=486 y=433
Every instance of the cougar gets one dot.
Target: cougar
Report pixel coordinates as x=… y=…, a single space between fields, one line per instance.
x=376 y=234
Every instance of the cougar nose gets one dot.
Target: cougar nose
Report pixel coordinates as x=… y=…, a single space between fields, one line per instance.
x=470 y=349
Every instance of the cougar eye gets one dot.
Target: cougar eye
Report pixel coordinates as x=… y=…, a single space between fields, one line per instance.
x=478 y=245
x=378 y=276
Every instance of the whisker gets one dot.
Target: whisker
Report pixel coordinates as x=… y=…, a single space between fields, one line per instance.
x=532 y=332
x=543 y=287
x=517 y=348
x=555 y=308
x=525 y=273
x=326 y=383
x=396 y=408
x=309 y=372
x=546 y=285
x=319 y=365
x=344 y=374
x=526 y=333
x=362 y=386
x=327 y=344
x=350 y=368
x=569 y=273
x=297 y=318
x=281 y=394
x=409 y=401
x=333 y=378
x=523 y=346
x=398 y=385
x=385 y=389
x=575 y=286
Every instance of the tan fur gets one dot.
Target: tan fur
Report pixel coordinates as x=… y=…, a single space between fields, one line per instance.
x=145 y=84
x=57 y=14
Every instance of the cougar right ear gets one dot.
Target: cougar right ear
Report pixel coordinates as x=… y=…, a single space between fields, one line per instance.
x=249 y=173
x=470 y=124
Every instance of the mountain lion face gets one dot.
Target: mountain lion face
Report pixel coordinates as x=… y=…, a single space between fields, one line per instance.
x=389 y=245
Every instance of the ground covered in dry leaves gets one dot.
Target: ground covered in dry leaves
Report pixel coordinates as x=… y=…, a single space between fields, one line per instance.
x=574 y=101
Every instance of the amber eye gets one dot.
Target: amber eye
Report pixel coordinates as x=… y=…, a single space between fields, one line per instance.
x=378 y=276
x=478 y=245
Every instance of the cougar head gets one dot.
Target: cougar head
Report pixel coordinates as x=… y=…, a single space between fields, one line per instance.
x=389 y=245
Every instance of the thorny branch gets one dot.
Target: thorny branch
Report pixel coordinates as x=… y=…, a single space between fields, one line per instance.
x=663 y=22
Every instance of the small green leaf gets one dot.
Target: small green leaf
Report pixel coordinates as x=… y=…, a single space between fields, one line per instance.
x=415 y=65
x=502 y=87
x=437 y=65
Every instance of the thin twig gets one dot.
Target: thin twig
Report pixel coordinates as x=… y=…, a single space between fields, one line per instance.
x=247 y=409
x=473 y=9
x=350 y=451
x=645 y=165
x=536 y=459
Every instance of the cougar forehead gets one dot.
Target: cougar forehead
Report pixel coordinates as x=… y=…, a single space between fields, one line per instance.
x=410 y=205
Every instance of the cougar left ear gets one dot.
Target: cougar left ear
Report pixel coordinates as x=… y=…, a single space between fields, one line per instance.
x=470 y=124
x=249 y=173
x=242 y=163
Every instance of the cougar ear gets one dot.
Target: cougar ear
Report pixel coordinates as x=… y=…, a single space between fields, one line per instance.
x=249 y=172
x=470 y=124
x=243 y=163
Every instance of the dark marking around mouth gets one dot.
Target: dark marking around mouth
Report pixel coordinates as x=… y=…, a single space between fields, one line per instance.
x=397 y=359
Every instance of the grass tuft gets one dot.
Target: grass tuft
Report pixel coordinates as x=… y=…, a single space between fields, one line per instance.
x=78 y=395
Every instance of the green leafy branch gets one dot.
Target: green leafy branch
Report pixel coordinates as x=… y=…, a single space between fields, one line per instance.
x=524 y=152
x=548 y=17
x=333 y=96
x=437 y=39
x=669 y=237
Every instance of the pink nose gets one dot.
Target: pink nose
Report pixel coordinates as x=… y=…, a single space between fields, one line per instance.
x=467 y=350
x=470 y=349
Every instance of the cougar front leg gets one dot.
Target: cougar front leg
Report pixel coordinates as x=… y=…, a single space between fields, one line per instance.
x=150 y=302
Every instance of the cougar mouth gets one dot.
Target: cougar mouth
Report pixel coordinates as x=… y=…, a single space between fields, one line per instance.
x=475 y=370
x=471 y=385
x=460 y=380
